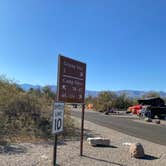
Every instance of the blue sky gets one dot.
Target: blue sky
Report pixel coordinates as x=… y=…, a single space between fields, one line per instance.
x=123 y=42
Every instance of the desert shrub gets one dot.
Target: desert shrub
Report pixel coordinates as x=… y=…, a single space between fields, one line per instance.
x=107 y=100
x=27 y=113
x=23 y=115
x=123 y=102
x=104 y=101
x=69 y=128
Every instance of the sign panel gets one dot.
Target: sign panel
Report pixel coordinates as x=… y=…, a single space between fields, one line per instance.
x=58 y=115
x=71 y=80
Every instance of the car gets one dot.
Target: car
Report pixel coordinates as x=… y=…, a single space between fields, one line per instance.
x=109 y=111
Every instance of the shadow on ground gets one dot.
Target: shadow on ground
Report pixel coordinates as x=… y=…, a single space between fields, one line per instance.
x=13 y=149
x=102 y=160
x=149 y=157
x=102 y=146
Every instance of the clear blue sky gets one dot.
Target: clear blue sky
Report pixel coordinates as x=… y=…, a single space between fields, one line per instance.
x=123 y=42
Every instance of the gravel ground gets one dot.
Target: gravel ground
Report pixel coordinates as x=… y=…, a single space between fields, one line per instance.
x=40 y=154
x=137 y=119
x=162 y=122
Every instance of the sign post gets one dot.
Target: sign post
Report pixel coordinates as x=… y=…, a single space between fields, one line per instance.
x=71 y=86
x=82 y=130
x=55 y=150
x=58 y=116
x=70 y=89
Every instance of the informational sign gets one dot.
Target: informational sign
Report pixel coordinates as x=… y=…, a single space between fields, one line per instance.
x=58 y=116
x=71 y=80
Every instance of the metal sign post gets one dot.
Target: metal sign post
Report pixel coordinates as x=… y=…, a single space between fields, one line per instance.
x=55 y=150
x=58 y=116
x=70 y=89
x=82 y=130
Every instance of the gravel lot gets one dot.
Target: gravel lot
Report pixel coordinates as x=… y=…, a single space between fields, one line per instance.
x=40 y=154
x=137 y=119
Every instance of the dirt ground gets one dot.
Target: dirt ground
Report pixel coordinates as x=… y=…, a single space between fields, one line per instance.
x=117 y=154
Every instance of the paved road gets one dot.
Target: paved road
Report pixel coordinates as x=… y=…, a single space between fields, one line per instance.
x=153 y=133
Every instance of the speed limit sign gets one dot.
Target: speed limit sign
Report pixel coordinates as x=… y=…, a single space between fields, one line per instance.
x=58 y=116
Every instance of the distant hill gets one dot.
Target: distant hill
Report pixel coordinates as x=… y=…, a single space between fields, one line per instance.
x=26 y=87
x=129 y=93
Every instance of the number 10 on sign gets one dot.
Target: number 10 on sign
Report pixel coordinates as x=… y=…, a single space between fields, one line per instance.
x=58 y=116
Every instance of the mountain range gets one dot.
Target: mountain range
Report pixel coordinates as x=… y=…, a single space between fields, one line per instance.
x=129 y=93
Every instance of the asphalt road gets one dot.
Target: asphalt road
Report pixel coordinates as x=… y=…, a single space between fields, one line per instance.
x=153 y=133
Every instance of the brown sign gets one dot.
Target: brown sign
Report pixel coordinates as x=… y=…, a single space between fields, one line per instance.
x=71 y=80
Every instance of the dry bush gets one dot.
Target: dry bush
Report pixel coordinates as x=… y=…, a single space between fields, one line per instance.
x=27 y=114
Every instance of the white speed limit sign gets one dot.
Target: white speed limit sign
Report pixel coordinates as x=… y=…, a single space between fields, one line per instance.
x=58 y=116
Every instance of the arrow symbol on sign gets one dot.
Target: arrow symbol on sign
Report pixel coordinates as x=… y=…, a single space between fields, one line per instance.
x=64 y=87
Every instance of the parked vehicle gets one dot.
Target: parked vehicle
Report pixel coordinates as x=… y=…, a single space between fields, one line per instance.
x=135 y=109
x=110 y=110
x=153 y=107
x=90 y=106
x=144 y=112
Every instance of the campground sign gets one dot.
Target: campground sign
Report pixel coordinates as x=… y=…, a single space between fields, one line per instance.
x=70 y=89
x=71 y=80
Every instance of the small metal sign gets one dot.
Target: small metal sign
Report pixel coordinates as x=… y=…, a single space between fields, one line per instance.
x=58 y=117
x=71 y=80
